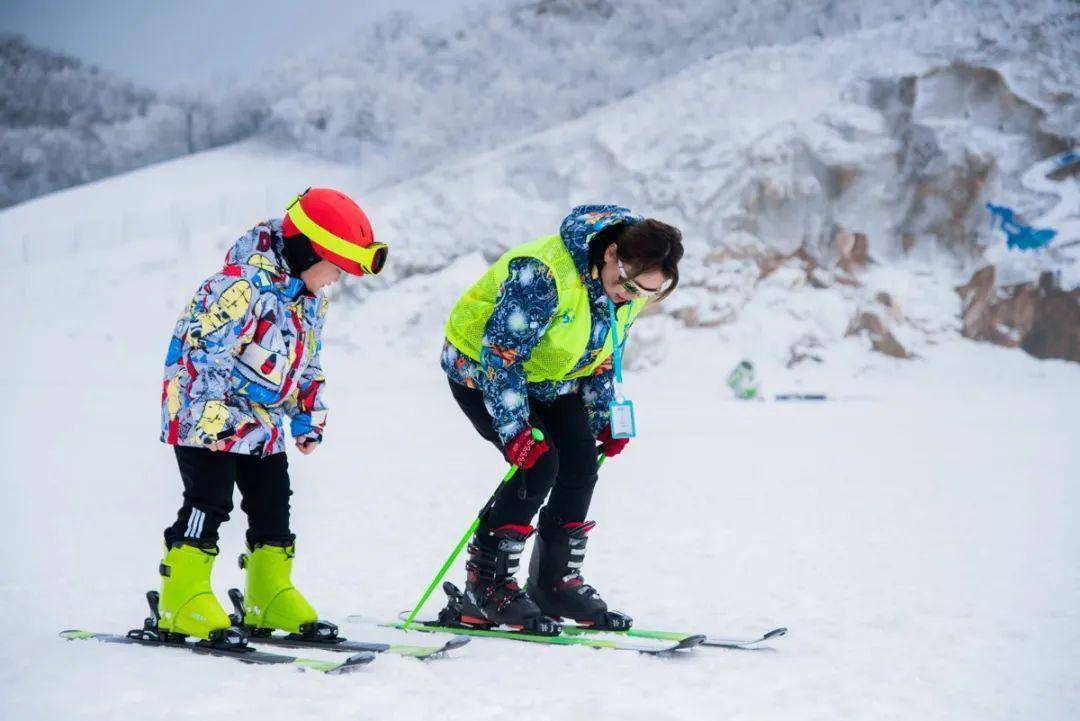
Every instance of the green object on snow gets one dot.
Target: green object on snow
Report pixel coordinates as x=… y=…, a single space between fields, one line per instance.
x=742 y=381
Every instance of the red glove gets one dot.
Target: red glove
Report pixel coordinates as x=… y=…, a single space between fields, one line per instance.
x=610 y=446
x=523 y=449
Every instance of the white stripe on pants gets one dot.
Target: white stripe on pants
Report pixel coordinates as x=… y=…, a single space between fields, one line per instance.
x=195 y=523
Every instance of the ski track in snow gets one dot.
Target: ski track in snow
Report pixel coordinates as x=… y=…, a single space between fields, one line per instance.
x=920 y=544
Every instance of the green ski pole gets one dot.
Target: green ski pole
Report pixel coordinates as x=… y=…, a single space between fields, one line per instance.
x=537 y=436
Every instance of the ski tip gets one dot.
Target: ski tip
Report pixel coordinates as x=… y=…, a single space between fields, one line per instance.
x=775 y=633
x=353 y=663
x=425 y=653
x=456 y=642
x=359 y=659
x=74 y=633
x=690 y=642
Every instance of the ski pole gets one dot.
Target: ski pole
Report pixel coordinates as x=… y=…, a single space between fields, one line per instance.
x=537 y=436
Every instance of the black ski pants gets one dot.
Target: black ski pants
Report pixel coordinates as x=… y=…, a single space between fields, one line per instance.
x=567 y=470
x=209 y=477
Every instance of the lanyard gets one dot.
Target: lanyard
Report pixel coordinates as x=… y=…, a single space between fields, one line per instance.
x=616 y=347
x=622 y=410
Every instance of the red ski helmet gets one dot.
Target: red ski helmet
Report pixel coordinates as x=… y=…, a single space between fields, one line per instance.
x=338 y=230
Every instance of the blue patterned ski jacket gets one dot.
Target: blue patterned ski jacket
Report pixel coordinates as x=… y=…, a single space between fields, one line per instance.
x=526 y=303
x=245 y=353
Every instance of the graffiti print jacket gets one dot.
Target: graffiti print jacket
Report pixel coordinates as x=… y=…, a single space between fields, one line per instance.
x=245 y=354
x=530 y=292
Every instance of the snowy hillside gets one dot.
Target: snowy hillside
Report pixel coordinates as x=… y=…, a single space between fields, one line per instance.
x=405 y=95
x=401 y=96
x=841 y=202
x=846 y=199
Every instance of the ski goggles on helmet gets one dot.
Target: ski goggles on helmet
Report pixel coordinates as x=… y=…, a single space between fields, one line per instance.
x=349 y=255
x=631 y=287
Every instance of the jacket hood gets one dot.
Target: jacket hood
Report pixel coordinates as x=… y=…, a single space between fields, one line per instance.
x=581 y=225
x=263 y=247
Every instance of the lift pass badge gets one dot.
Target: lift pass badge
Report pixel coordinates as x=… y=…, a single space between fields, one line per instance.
x=622 y=419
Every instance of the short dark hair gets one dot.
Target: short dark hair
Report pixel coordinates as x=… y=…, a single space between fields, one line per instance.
x=645 y=246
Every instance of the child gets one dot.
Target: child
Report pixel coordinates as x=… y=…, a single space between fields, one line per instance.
x=244 y=355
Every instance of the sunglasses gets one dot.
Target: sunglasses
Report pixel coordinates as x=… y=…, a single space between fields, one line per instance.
x=633 y=288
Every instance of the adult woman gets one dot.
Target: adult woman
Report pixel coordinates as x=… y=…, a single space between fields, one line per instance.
x=243 y=356
x=528 y=349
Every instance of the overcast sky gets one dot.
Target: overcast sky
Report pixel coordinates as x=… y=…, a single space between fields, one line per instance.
x=166 y=45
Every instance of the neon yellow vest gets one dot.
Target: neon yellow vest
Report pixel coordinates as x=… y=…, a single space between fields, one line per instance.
x=565 y=341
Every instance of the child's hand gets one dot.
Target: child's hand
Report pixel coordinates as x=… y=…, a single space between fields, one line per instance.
x=214 y=444
x=306 y=445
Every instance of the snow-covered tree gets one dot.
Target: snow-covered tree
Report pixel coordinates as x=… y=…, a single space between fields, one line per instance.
x=63 y=123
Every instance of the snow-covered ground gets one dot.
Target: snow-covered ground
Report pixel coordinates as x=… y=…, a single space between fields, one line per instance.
x=919 y=541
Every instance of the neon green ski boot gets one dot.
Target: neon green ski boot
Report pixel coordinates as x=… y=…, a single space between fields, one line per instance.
x=187 y=605
x=270 y=601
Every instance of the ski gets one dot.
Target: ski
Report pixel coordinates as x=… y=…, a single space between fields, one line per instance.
x=664 y=646
x=242 y=653
x=324 y=636
x=713 y=640
x=347 y=646
x=449 y=621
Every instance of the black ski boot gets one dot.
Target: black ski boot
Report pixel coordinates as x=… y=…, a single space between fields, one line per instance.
x=492 y=596
x=555 y=581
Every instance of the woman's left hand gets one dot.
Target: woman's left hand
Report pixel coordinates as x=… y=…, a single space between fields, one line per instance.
x=611 y=446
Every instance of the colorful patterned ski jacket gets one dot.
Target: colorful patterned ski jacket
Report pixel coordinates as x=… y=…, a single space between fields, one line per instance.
x=245 y=353
x=526 y=304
